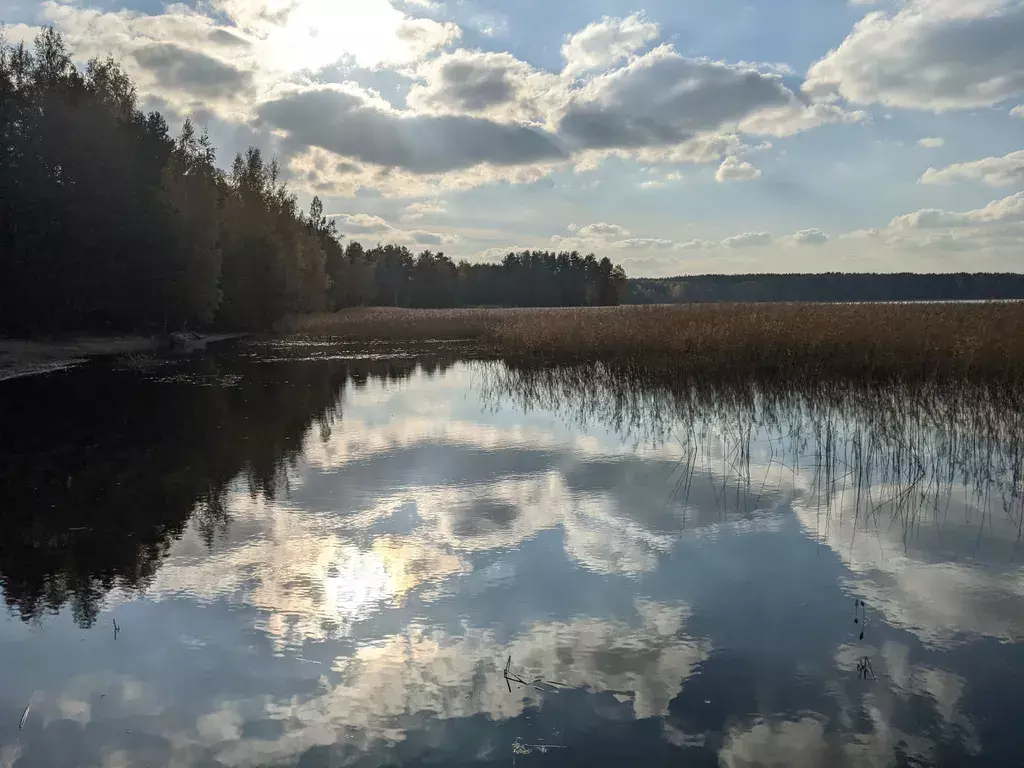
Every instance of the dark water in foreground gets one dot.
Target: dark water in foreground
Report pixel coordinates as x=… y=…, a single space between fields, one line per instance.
x=320 y=560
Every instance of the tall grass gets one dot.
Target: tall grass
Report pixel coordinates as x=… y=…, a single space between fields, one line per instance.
x=793 y=340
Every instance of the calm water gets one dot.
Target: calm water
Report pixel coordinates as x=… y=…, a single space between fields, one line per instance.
x=319 y=559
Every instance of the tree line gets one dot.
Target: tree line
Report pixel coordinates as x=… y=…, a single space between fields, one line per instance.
x=108 y=221
x=828 y=287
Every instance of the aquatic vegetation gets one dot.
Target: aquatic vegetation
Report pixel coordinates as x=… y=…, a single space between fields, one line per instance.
x=792 y=341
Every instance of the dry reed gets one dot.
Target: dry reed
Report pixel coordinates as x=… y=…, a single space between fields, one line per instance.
x=793 y=340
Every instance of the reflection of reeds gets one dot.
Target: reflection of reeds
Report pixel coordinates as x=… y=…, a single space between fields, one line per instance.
x=914 y=441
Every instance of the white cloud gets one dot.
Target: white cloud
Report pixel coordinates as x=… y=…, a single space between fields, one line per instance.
x=600 y=229
x=1003 y=171
x=697 y=245
x=748 y=240
x=416 y=211
x=929 y=54
x=606 y=42
x=309 y=34
x=735 y=169
x=1009 y=209
x=931 y=143
x=376 y=229
x=806 y=237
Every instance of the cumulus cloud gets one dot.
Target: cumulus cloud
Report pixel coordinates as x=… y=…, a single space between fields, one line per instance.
x=606 y=42
x=931 y=143
x=735 y=169
x=187 y=59
x=993 y=232
x=1009 y=209
x=806 y=237
x=603 y=236
x=181 y=69
x=415 y=211
x=331 y=175
x=481 y=83
x=377 y=229
x=350 y=124
x=1005 y=171
x=928 y=54
x=697 y=245
x=663 y=99
x=300 y=35
x=600 y=229
x=748 y=240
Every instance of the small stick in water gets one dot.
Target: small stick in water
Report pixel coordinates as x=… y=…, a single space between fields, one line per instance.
x=24 y=716
x=116 y=628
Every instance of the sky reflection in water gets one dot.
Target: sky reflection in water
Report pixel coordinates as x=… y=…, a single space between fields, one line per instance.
x=352 y=596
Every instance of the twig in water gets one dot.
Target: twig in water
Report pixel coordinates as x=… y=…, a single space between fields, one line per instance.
x=116 y=628
x=538 y=683
x=24 y=715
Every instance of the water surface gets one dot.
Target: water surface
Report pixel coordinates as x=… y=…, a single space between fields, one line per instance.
x=325 y=558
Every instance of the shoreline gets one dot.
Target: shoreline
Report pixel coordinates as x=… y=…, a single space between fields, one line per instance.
x=31 y=357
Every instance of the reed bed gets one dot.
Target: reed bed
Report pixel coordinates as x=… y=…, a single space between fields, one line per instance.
x=872 y=341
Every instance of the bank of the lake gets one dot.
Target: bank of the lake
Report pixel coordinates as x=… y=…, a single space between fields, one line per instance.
x=29 y=357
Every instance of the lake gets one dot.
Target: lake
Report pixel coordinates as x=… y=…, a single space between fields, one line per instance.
x=300 y=554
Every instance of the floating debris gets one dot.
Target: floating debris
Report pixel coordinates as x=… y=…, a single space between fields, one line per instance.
x=116 y=628
x=24 y=715
x=544 y=686
x=864 y=670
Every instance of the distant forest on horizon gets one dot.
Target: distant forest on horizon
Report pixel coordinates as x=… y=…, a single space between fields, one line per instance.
x=827 y=286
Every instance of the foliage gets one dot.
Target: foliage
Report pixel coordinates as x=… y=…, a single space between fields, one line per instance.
x=106 y=221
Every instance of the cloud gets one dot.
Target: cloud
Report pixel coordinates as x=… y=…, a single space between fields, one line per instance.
x=1018 y=111
x=298 y=35
x=181 y=69
x=606 y=42
x=378 y=230
x=600 y=229
x=495 y=85
x=1009 y=209
x=931 y=143
x=361 y=223
x=748 y=240
x=663 y=99
x=697 y=245
x=735 y=169
x=348 y=123
x=929 y=54
x=328 y=174
x=415 y=211
x=1003 y=171
x=806 y=237
x=656 y=243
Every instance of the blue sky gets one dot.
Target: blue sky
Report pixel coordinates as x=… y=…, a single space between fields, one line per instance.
x=674 y=137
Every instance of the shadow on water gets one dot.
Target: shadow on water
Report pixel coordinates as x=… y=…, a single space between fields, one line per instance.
x=103 y=467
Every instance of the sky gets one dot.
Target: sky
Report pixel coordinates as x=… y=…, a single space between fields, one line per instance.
x=675 y=137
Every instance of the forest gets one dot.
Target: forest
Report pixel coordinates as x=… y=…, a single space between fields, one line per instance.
x=829 y=287
x=109 y=222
